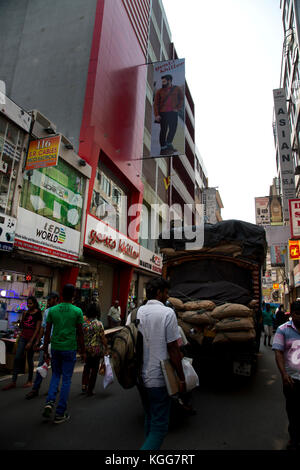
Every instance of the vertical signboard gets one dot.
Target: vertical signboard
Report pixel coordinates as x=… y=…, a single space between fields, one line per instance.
x=168 y=111
x=286 y=162
x=262 y=211
x=295 y=217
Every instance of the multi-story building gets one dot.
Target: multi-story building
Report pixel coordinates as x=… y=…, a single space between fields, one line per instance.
x=82 y=65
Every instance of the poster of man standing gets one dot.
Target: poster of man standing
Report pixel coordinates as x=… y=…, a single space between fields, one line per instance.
x=167 y=135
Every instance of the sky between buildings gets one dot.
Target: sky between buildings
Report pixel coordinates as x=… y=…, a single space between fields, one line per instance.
x=233 y=52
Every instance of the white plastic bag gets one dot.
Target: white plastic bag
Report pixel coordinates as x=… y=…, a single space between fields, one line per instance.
x=108 y=376
x=43 y=370
x=191 y=377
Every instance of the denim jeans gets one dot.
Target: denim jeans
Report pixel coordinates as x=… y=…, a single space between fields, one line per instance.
x=62 y=363
x=157 y=403
x=19 y=357
x=38 y=377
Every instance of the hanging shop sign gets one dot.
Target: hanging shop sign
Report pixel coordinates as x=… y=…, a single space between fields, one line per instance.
x=286 y=162
x=294 y=249
x=277 y=253
x=276 y=286
x=7 y=232
x=43 y=152
x=50 y=212
x=105 y=239
x=150 y=261
x=294 y=207
x=262 y=211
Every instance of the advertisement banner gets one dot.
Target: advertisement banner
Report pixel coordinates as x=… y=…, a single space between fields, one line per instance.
x=7 y=232
x=277 y=253
x=50 y=212
x=105 y=239
x=168 y=111
x=295 y=217
x=150 y=261
x=262 y=211
x=286 y=162
x=43 y=152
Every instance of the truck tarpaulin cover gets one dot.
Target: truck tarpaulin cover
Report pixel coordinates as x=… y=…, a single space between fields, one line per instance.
x=216 y=279
x=251 y=238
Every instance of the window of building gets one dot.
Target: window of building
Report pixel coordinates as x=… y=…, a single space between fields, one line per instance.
x=105 y=185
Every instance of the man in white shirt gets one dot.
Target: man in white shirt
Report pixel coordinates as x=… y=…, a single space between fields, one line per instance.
x=159 y=327
x=114 y=315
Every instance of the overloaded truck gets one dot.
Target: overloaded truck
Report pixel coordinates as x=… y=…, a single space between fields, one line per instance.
x=216 y=292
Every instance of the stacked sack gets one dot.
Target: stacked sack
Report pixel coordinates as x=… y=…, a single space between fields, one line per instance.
x=234 y=323
x=225 y=324
x=195 y=318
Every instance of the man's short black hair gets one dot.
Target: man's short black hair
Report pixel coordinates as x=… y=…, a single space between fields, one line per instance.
x=167 y=77
x=155 y=285
x=295 y=307
x=68 y=292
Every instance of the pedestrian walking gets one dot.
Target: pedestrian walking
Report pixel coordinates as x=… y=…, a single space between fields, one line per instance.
x=286 y=345
x=30 y=326
x=52 y=300
x=95 y=347
x=280 y=317
x=66 y=320
x=159 y=328
x=267 y=323
x=114 y=315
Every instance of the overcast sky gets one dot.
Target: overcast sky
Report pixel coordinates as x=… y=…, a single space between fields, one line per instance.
x=233 y=52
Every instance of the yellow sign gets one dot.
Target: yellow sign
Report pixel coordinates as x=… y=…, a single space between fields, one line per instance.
x=276 y=286
x=294 y=249
x=43 y=152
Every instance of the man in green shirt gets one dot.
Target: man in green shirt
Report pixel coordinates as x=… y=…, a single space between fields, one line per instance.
x=65 y=320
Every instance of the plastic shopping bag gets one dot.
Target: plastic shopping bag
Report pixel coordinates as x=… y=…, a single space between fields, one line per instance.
x=191 y=377
x=108 y=376
x=43 y=370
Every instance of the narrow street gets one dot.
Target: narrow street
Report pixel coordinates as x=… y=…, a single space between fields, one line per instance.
x=241 y=414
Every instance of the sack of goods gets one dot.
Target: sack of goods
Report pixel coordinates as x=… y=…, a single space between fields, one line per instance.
x=199 y=317
x=234 y=336
x=192 y=332
x=231 y=310
x=235 y=324
x=177 y=303
x=199 y=305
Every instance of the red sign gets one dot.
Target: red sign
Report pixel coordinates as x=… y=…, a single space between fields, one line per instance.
x=294 y=249
x=294 y=206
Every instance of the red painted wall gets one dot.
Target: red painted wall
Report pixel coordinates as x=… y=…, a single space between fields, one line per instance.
x=114 y=110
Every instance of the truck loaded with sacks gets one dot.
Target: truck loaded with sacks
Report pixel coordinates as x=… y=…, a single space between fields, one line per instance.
x=215 y=291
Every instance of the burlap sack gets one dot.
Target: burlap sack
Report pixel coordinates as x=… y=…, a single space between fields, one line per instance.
x=192 y=332
x=200 y=317
x=234 y=336
x=177 y=303
x=231 y=310
x=235 y=324
x=199 y=305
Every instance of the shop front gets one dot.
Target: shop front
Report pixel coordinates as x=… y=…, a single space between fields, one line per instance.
x=111 y=257
x=150 y=266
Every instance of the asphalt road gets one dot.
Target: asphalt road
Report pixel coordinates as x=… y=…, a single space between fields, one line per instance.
x=232 y=414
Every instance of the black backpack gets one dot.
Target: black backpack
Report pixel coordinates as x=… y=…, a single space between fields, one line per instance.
x=127 y=353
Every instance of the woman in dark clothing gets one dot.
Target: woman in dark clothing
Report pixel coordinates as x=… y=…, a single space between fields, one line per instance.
x=30 y=326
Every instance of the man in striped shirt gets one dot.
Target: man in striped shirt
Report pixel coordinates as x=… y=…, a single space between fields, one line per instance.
x=286 y=345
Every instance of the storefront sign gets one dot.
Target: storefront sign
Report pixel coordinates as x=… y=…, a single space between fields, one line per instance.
x=294 y=249
x=286 y=162
x=277 y=253
x=297 y=275
x=295 y=217
x=262 y=211
x=276 y=286
x=7 y=232
x=150 y=261
x=43 y=153
x=107 y=240
x=36 y=233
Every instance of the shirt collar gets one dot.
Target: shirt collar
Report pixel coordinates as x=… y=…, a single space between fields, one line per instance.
x=154 y=301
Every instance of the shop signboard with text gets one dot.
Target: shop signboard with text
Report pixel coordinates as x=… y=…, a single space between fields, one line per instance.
x=50 y=212
x=294 y=205
x=294 y=249
x=105 y=239
x=150 y=261
x=7 y=232
x=43 y=152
